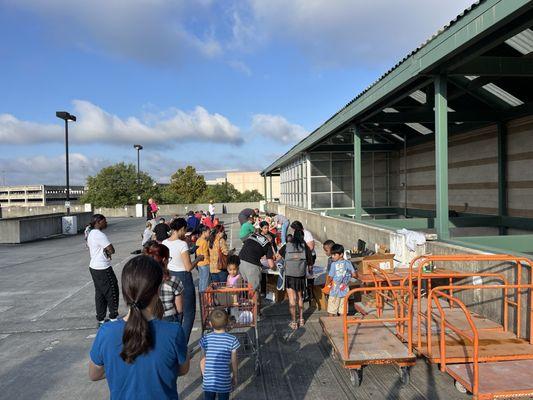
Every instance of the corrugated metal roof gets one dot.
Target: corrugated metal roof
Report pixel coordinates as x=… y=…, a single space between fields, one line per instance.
x=339 y=113
x=420 y=47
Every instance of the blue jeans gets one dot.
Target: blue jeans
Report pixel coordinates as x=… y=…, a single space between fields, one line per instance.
x=284 y=229
x=173 y=318
x=203 y=276
x=221 y=276
x=189 y=301
x=213 y=396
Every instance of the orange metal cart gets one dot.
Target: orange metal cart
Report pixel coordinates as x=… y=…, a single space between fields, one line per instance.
x=240 y=303
x=489 y=363
x=358 y=341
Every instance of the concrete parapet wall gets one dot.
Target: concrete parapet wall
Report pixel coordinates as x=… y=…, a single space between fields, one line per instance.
x=485 y=302
x=179 y=209
x=126 y=211
x=26 y=229
x=18 y=211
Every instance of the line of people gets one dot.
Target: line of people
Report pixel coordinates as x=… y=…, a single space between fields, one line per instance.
x=153 y=353
x=154 y=335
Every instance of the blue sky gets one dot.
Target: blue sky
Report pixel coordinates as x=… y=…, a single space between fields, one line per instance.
x=214 y=84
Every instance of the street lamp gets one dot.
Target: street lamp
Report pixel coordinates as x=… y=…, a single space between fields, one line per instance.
x=65 y=116
x=138 y=147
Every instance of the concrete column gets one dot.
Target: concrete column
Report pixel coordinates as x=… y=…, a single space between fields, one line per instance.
x=357 y=197
x=441 y=157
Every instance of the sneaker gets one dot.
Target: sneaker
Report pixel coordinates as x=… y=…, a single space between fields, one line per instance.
x=99 y=324
x=112 y=319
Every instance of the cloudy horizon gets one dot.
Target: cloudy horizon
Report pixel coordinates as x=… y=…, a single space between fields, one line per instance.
x=227 y=86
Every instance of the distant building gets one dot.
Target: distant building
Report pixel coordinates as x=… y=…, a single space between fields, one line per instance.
x=37 y=195
x=243 y=181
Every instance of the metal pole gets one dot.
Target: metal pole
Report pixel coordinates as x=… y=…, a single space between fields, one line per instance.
x=66 y=164
x=138 y=173
x=441 y=156
x=357 y=174
x=271 y=197
x=265 y=186
x=405 y=175
x=502 y=174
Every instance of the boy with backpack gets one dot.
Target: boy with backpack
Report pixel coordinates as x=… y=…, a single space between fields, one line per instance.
x=220 y=350
x=340 y=272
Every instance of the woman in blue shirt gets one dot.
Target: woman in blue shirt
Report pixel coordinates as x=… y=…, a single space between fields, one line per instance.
x=140 y=356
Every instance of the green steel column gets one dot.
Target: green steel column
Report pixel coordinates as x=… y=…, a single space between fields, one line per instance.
x=502 y=173
x=441 y=156
x=357 y=173
x=265 y=182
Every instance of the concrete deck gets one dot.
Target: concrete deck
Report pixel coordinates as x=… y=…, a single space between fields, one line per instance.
x=47 y=326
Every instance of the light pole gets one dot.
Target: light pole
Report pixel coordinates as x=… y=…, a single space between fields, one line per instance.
x=65 y=116
x=138 y=147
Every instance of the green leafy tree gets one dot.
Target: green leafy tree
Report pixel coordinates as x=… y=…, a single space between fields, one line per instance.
x=220 y=193
x=250 y=195
x=186 y=186
x=116 y=186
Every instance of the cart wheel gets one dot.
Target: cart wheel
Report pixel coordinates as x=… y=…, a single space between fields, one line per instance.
x=356 y=377
x=405 y=375
x=459 y=386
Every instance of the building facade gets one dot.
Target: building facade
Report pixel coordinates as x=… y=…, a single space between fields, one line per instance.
x=251 y=180
x=37 y=195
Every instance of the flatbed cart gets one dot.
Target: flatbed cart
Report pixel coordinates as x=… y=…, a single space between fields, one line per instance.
x=418 y=276
x=489 y=364
x=240 y=303
x=365 y=340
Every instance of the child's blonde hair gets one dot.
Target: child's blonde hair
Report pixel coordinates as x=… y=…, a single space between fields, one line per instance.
x=149 y=225
x=218 y=319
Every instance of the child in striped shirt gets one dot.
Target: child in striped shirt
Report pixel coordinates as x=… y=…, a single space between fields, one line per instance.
x=220 y=350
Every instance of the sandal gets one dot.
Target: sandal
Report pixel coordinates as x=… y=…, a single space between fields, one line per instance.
x=302 y=322
x=293 y=325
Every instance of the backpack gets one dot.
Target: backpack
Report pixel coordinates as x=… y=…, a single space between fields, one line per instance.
x=295 y=261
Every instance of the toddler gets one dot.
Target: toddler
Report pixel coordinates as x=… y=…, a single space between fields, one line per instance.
x=219 y=351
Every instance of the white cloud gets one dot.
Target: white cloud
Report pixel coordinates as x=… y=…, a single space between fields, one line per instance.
x=95 y=125
x=153 y=32
x=240 y=67
x=277 y=127
x=39 y=170
x=168 y=32
x=353 y=32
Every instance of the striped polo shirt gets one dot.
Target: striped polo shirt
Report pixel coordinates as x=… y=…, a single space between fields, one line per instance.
x=217 y=348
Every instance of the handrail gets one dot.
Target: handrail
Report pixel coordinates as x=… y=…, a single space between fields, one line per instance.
x=374 y=270
x=474 y=338
x=439 y=291
x=425 y=259
x=379 y=304
x=398 y=319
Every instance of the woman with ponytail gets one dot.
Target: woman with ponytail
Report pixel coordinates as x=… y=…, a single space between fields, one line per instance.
x=140 y=356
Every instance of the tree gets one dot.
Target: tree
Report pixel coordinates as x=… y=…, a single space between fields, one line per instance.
x=220 y=193
x=116 y=186
x=250 y=195
x=185 y=187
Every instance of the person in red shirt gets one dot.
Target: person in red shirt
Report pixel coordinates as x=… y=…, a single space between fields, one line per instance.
x=206 y=220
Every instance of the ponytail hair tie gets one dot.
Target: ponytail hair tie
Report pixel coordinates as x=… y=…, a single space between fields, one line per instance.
x=134 y=305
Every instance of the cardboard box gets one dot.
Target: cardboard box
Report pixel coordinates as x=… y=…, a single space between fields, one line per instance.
x=381 y=261
x=272 y=292
x=320 y=299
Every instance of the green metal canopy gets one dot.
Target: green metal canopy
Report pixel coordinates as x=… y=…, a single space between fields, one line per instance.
x=483 y=53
